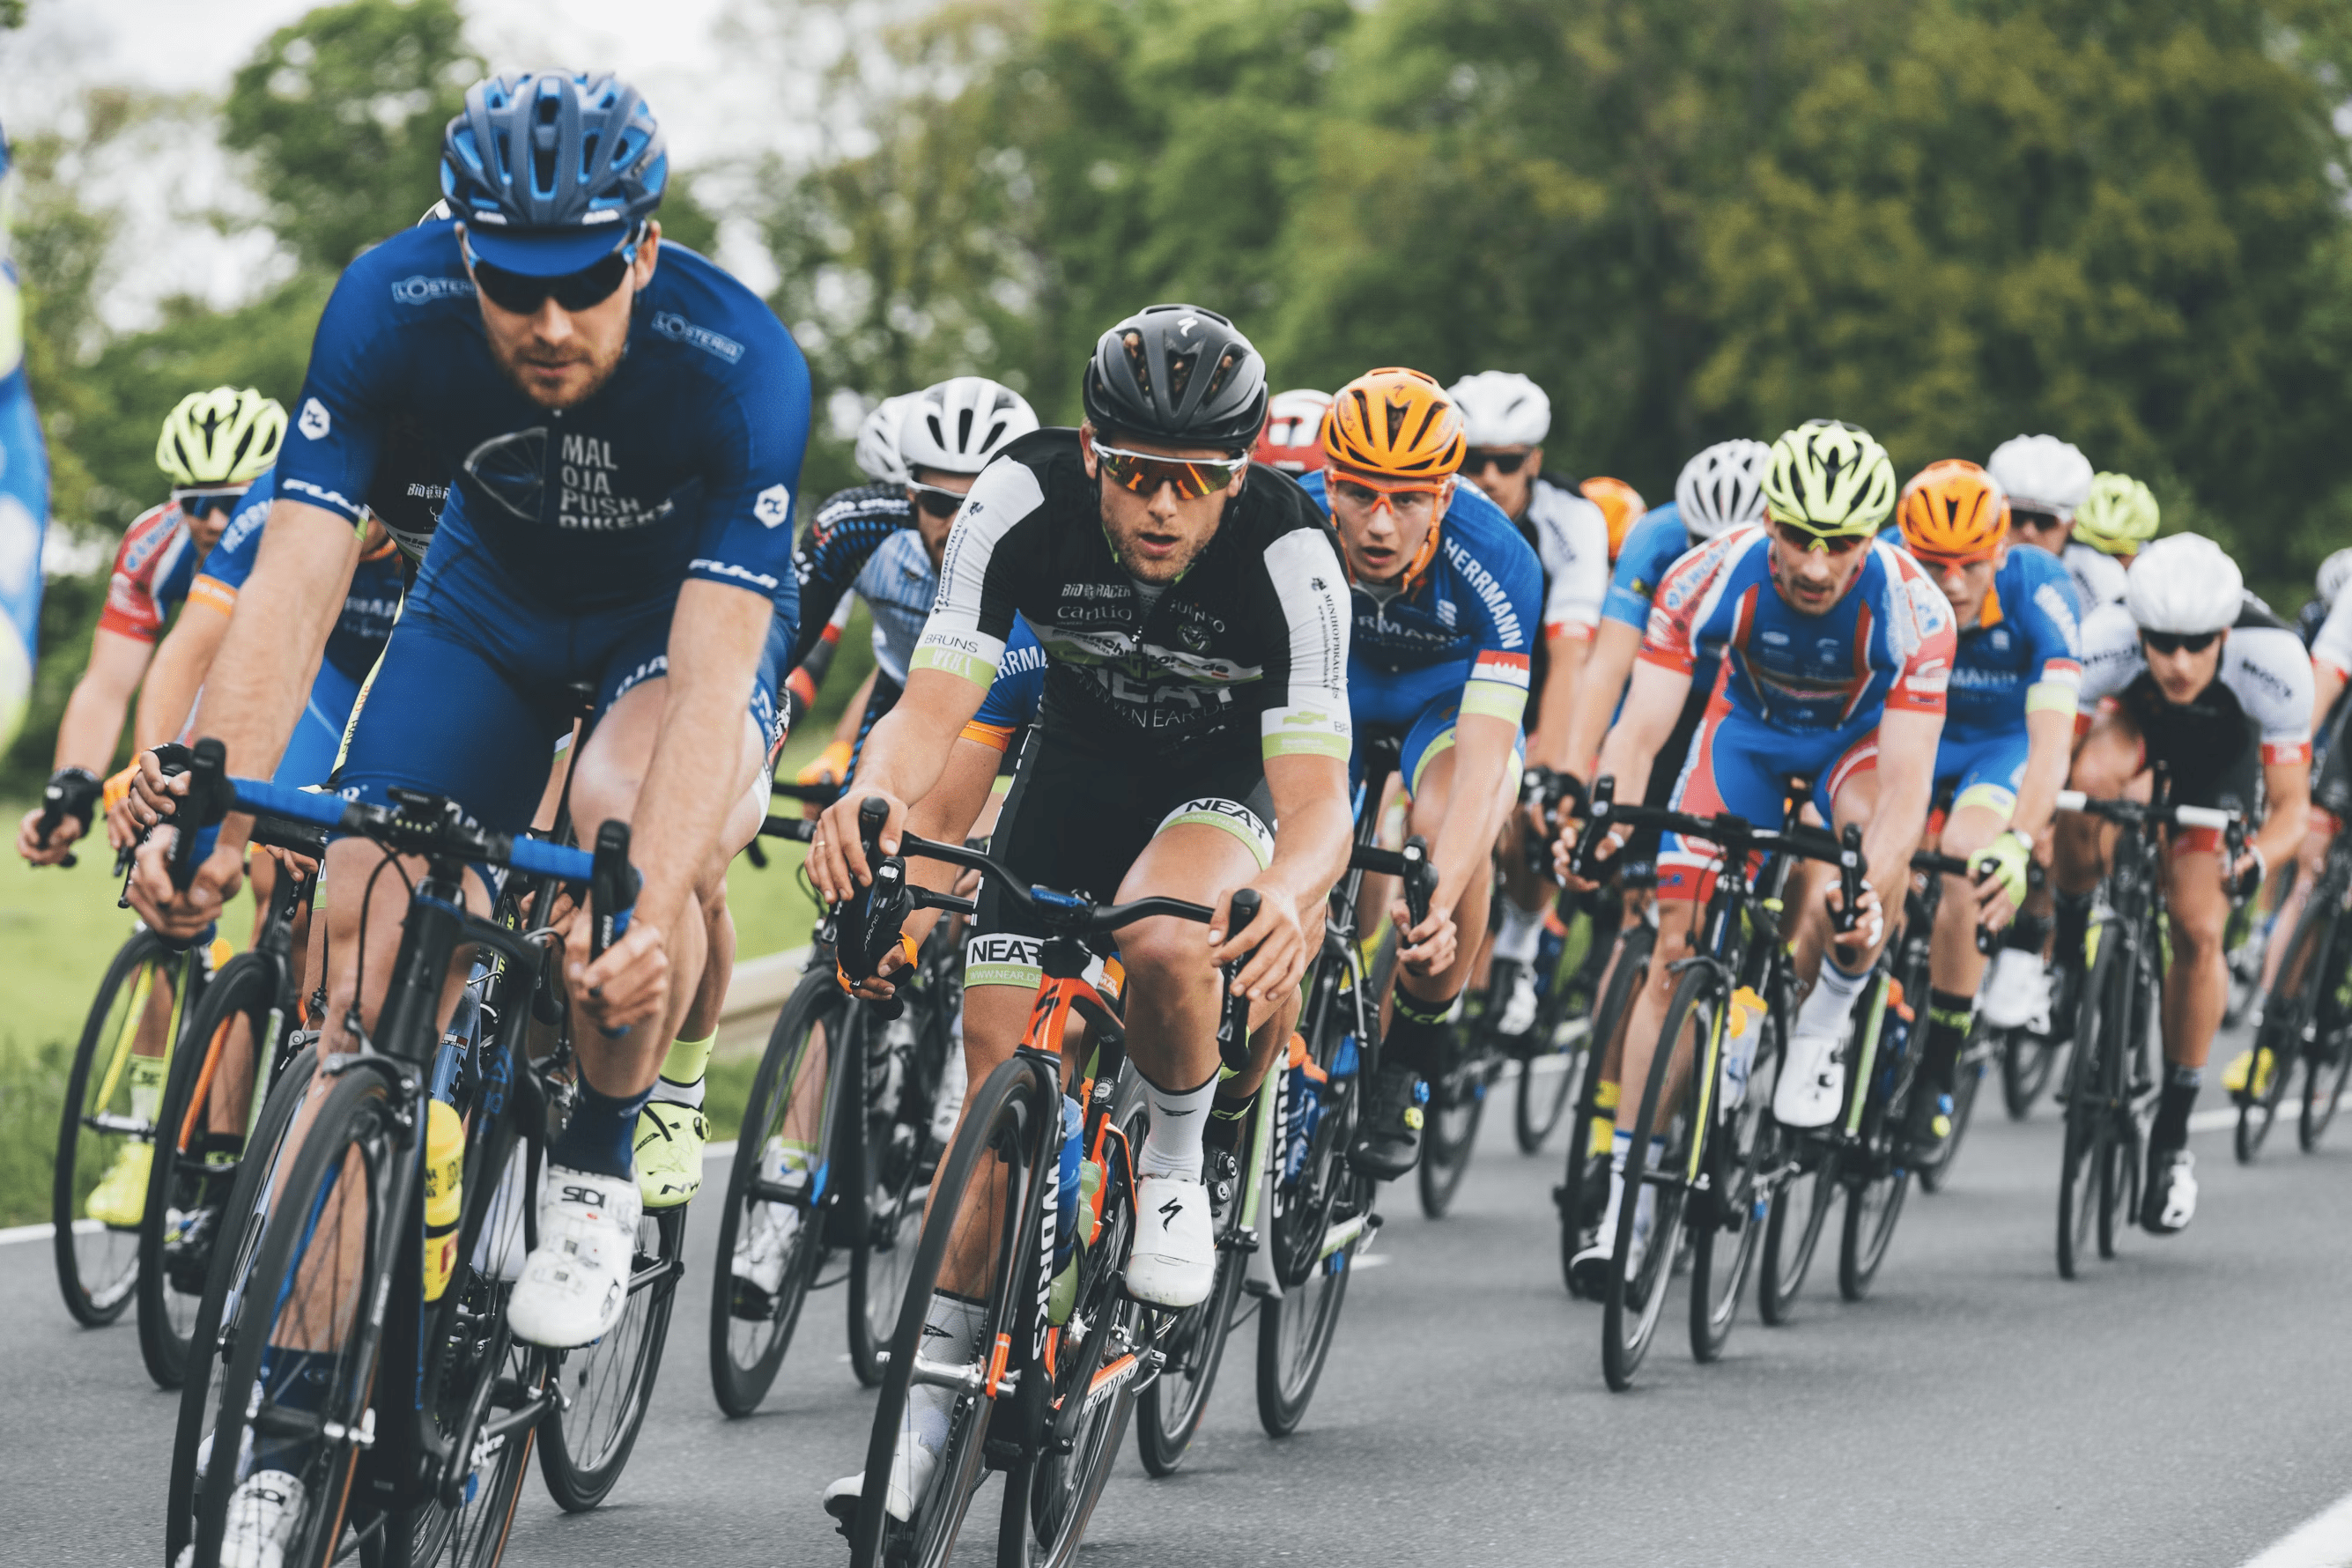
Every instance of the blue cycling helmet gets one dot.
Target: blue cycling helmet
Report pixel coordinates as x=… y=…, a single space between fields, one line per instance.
x=552 y=171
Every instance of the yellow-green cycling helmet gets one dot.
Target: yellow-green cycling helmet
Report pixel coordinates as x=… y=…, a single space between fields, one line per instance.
x=1831 y=478
x=224 y=436
x=2118 y=516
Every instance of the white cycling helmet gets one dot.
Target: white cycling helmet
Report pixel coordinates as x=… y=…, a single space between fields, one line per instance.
x=2334 y=574
x=878 y=441
x=1723 y=488
x=959 y=427
x=2042 y=473
x=2185 y=585
x=1501 y=408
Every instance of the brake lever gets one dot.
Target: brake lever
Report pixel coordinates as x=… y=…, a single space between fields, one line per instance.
x=1849 y=871
x=1233 y=1025
x=1601 y=797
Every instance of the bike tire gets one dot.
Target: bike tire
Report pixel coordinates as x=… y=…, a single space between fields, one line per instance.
x=179 y=1180
x=1537 y=1105
x=2096 y=1061
x=2287 y=1015
x=1799 y=1213
x=1457 y=1104
x=1634 y=1301
x=585 y=1445
x=1002 y=1116
x=746 y=1352
x=1574 y=1196
x=1966 y=1084
x=2329 y=1062
x=894 y=1191
x=98 y=1268
x=1170 y=1408
x=1739 y=1153
x=2028 y=1061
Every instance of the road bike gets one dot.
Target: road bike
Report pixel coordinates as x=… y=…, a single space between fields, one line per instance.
x=2306 y=1017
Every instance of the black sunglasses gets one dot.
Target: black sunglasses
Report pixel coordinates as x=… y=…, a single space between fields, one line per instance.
x=1476 y=461
x=935 y=500
x=2173 y=642
x=522 y=295
x=2031 y=517
x=200 y=503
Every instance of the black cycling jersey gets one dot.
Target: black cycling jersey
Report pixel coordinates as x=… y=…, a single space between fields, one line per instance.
x=833 y=557
x=1256 y=629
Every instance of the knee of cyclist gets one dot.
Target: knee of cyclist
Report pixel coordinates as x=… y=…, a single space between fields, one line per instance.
x=1163 y=953
x=2198 y=936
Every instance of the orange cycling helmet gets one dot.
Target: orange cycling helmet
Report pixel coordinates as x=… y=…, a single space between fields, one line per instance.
x=1620 y=503
x=1954 y=511
x=1396 y=423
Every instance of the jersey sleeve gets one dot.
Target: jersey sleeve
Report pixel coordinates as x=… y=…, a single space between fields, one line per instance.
x=1927 y=637
x=1020 y=685
x=2051 y=617
x=224 y=572
x=1576 y=536
x=1671 y=638
x=751 y=472
x=348 y=392
x=2273 y=682
x=1507 y=582
x=152 y=547
x=2333 y=645
x=828 y=562
x=1305 y=710
x=972 y=617
x=2111 y=655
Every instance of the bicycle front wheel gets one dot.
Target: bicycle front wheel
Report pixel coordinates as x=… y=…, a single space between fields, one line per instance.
x=1585 y=1185
x=2093 y=1076
x=1457 y=1101
x=1724 y=1245
x=894 y=1181
x=1170 y=1407
x=611 y=1382
x=1968 y=1079
x=2287 y=1019
x=108 y=1128
x=1649 y=1233
x=1548 y=1074
x=1318 y=1221
x=1800 y=1210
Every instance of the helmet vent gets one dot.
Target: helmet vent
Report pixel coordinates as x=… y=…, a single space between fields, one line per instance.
x=1179 y=375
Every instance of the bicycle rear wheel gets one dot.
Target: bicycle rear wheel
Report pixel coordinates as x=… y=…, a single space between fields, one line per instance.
x=101 y=1128
x=773 y=1208
x=194 y=1166
x=586 y=1444
x=1800 y=1210
x=1634 y=1298
x=1585 y=1186
x=1723 y=1246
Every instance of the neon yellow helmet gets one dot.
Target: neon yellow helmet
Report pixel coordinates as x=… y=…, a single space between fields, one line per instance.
x=1829 y=478
x=224 y=436
x=2118 y=516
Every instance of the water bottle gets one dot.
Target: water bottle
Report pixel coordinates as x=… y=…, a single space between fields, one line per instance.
x=1304 y=1088
x=1066 y=1209
x=444 y=1171
x=1741 y=1030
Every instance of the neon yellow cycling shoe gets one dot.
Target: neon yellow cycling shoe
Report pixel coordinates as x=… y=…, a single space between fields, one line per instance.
x=119 y=1199
x=2246 y=1067
x=669 y=1154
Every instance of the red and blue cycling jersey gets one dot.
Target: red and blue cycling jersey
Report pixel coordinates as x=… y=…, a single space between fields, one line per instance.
x=153 y=566
x=370 y=604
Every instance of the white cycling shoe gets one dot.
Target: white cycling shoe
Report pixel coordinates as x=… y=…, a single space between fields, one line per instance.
x=263 y=1514
x=1812 y=1083
x=1520 y=1011
x=2017 y=996
x=911 y=1469
x=1174 y=1260
x=575 y=1282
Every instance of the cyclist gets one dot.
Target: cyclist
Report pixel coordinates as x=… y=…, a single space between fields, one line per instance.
x=1445 y=599
x=1620 y=504
x=2201 y=678
x=2008 y=731
x=1292 y=440
x=2115 y=521
x=1506 y=418
x=1192 y=614
x=1836 y=650
x=2047 y=480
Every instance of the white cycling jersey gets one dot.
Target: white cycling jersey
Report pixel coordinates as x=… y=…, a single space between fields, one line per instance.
x=2099 y=576
x=2333 y=646
x=2263 y=664
x=1571 y=539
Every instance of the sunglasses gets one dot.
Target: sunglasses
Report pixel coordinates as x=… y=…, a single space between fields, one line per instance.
x=1798 y=537
x=2027 y=517
x=202 y=503
x=520 y=295
x=2173 y=642
x=1477 y=461
x=937 y=501
x=1941 y=564
x=1145 y=472
x=1404 y=500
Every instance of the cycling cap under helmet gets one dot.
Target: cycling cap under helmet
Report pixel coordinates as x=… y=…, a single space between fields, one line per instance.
x=1176 y=373
x=1620 y=507
x=552 y=171
x=2118 y=516
x=960 y=426
x=2334 y=573
x=1395 y=423
x=1293 y=437
x=1722 y=488
x=2042 y=473
x=1501 y=408
x=2186 y=585
x=877 y=440
x=1953 y=510
x=224 y=436
x=1829 y=478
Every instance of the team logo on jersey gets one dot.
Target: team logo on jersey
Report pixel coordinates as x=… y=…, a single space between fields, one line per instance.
x=422 y=290
x=1193 y=638
x=677 y=329
x=314 y=423
x=774 y=506
x=2062 y=614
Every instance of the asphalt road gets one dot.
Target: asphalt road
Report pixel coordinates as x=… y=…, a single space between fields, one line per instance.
x=2183 y=1405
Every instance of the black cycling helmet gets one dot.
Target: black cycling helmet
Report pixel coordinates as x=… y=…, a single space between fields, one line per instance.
x=552 y=170
x=1177 y=374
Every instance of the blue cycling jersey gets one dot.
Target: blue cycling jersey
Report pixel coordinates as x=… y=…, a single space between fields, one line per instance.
x=1020 y=684
x=1652 y=547
x=683 y=465
x=2023 y=655
x=370 y=604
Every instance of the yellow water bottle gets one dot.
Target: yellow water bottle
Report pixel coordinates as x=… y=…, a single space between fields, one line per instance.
x=444 y=1174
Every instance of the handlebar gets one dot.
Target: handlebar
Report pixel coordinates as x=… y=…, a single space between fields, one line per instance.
x=2162 y=813
x=1735 y=834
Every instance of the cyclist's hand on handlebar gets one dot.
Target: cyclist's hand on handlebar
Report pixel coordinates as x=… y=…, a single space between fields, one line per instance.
x=1275 y=939
x=878 y=986
x=2003 y=873
x=62 y=833
x=182 y=914
x=152 y=798
x=1429 y=947
x=628 y=984
x=1869 y=925
x=2246 y=873
x=837 y=857
x=1563 y=850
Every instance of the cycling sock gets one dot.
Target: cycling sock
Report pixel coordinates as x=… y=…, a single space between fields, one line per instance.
x=298 y=1382
x=951 y=1331
x=1832 y=999
x=2074 y=922
x=146 y=1087
x=598 y=1137
x=1227 y=1117
x=2027 y=932
x=1417 y=1033
x=1949 y=1018
x=1516 y=931
x=2173 y=1106
x=682 y=1071
x=1173 y=1146
x=1605 y=1118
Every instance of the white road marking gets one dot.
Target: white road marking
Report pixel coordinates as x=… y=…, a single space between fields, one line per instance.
x=2324 y=1540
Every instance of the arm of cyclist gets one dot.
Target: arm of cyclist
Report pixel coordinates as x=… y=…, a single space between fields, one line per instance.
x=906 y=755
x=1566 y=653
x=2049 y=752
x=1311 y=845
x=1907 y=782
x=2286 y=788
x=1599 y=682
x=1651 y=705
x=1482 y=747
x=88 y=733
x=254 y=695
x=166 y=701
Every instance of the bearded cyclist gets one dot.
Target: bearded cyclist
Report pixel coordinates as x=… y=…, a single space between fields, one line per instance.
x=2198 y=675
x=2009 y=730
x=1834 y=653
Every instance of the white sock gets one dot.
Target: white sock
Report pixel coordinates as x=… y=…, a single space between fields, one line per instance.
x=950 y=1337
x=1172 y=1147
x=1825 y=1011
x=1516 y=931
